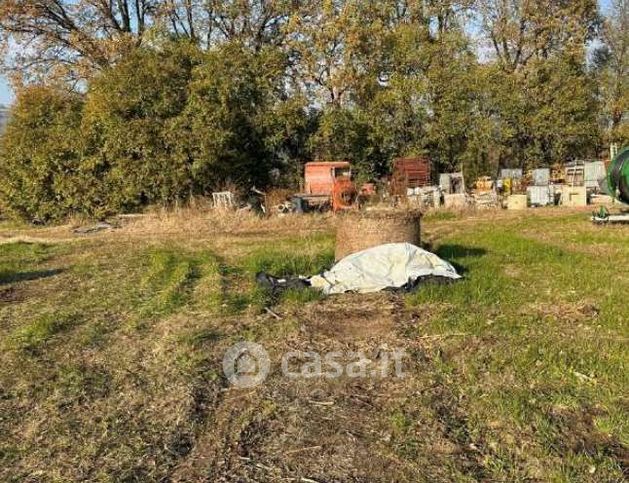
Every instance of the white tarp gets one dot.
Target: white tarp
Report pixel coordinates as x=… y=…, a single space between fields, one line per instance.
x=384 y=266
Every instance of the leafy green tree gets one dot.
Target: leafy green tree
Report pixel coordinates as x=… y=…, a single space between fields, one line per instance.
x=561 y=124
x=336 y=47
x=520 y=30
x=542 y=106
x=238 y=118
x=132 y=130
x=452 y=94
x=397 y=120
x=611 y=62
x=254 y=23
x=39 y=155
x=344 y=134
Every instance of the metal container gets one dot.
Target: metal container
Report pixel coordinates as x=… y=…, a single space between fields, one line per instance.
x=575 y=173
x=410 y=173
x=452 y=183
x=511 y=173
x=540 y=195
x=574 y=196
x=517 y=202
x=444 y=183
x=595 y=174
x=541 y=177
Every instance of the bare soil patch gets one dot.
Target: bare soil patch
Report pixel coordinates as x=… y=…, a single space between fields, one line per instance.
x=564 y=311
x=11 y=294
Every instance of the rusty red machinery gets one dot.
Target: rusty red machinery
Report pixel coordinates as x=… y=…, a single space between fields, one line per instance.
x=410 y=173
x=327 y=184
x=319 y=177
x=344 y=195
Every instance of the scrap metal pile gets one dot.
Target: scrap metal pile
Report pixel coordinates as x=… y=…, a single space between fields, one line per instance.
x=412 y=183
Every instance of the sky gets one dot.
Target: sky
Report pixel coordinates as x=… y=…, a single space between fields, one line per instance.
x=6 y=96
x=5 y=92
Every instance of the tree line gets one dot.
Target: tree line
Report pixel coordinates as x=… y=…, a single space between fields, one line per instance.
x=125 y=103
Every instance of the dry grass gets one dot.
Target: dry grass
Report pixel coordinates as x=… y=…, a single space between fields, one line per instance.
x=203 y=221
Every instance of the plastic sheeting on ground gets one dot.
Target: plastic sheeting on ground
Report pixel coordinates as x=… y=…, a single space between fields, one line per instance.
x=394 y=265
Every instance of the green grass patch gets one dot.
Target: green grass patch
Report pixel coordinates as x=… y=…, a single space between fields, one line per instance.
x=301 y=296
x=76 y=381
x=177 y=278
x=34 y=335
x=288 y=257
x=281 y=263
x=169 y=280
x=440 y=215
x=22 y=261
x=540 y=352
x=193 y=349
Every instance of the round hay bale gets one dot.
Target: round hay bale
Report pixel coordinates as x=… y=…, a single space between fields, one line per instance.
x=358 y=231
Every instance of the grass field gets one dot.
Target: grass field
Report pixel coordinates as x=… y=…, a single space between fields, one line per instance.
x=112 y=346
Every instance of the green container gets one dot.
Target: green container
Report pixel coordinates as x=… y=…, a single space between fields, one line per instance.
x=618 y=176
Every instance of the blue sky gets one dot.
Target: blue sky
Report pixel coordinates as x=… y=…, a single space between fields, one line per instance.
x=6 y=95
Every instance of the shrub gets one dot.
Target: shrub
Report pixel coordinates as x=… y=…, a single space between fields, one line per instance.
x=234 y=116
x=39 y=156
x=133 y=133
x=163 y=124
